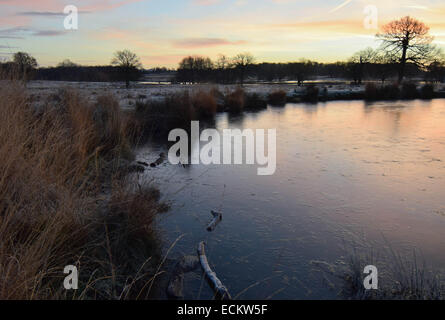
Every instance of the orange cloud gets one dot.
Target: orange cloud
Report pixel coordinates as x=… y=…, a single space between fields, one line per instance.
x=349 y=26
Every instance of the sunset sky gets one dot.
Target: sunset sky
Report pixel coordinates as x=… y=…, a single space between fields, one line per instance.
x=163 y=32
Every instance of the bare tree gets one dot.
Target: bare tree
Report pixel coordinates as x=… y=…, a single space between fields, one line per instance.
x=242 y=61
x=384 y=66
x=408 y=41
x=129 y=62
x=436 y=71
x=67 y=63
x=359 y=61
x=194 y=69
x=25 y=63
x=223 y=66
x=303 y=70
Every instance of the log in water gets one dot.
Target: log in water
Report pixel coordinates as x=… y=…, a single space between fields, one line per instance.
x=217 y=217
x=219 y=288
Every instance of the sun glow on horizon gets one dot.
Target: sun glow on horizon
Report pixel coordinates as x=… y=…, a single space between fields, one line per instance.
x=162 y=32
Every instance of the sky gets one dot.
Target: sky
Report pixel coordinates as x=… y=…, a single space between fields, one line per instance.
x=162 y=32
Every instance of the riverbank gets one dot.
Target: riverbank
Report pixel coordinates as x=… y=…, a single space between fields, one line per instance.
x=68 y=197
x=324 y=91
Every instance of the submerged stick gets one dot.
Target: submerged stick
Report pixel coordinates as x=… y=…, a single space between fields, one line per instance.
x=220 y=289
x=158 y=161
x=217 y=217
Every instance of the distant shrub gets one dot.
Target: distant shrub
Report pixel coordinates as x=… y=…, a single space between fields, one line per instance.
x=427 y=91
x=157 y=118
x=219 y=98
x=409 y=91
x=253 y=101
x=311 y=94
x=277 y=98
x=204 y=104
x=372 y=92
x=234 y=101
x=390 y=92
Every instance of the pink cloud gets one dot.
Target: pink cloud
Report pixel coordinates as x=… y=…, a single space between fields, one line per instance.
x=32 y=4
x=58 y=5
x=205 y=42
x=14 y=21
x=102 y=5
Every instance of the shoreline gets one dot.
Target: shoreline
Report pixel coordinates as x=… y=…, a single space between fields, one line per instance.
x=139 y=92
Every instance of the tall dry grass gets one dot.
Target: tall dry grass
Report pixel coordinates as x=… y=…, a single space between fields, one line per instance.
x=405 y=277
x=59 y=168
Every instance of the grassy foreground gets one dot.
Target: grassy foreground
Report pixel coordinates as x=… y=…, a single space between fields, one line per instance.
x=66 y=199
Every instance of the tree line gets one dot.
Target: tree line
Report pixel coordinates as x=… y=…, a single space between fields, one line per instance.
x=125 y=66
x=406 y=51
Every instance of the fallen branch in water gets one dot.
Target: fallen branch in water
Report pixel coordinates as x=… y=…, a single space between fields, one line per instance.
x=217 y=217
x=142 y=163
x=220 y=289
x=158 y=161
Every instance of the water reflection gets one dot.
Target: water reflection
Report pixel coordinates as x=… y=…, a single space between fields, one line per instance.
x=346 y=172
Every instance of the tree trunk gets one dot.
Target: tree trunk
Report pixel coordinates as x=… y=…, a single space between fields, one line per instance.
x=127 y=77
x=403 y=64
x=242 y=76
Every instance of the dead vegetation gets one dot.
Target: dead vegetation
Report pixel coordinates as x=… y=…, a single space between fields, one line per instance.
x=64 y=201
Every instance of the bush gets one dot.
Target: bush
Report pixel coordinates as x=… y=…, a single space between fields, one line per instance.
x=157 y=118
x=277 y=98
x=371 y=92
x=253 y=101
x=409 y=91
x=311 y=94
x=205 y=104
x=219 y=97
x=374 y=92
x=234 y=101
x=427 y=91
x=391 y=92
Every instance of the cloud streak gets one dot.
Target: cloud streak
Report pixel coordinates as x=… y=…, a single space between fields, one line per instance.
x=47 y=13
x=22 y=32
x=345 y=3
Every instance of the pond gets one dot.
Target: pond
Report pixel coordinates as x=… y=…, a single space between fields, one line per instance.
x=350 y=175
